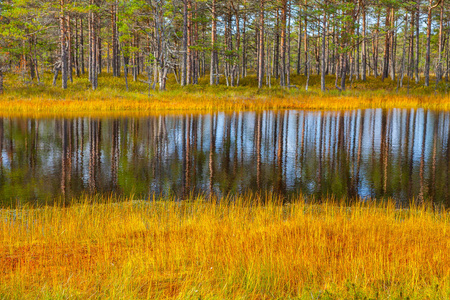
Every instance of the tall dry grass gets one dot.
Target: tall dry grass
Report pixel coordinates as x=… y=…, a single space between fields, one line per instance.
x=241 y=249
x=112 y=99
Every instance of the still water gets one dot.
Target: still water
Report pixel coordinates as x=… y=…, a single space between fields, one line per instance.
x=363 y=153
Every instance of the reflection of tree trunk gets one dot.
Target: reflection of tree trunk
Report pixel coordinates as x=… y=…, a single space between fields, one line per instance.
x=212 y=149
x=188 y=154
x=194 y=151
x=258 y=150
x=227 y=154
x=33 y=145
x=320 y=144
x=411 y=156
x=405 y=141
x=383 y=148
x=114 y=153
x=94 y=153
x=280 y=186
x=421 y=196
x=447 y=176
x=1 y=141
x=432 y=183
x=358 y=156
x=65 y=156
x=236 y=134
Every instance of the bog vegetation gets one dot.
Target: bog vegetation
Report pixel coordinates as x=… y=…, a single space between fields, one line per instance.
x=113 y=99
x=80 y=57
x=225 y=41
x=237 y=248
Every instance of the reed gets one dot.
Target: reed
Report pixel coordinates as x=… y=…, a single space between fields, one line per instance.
x=238 y=248
x=112 y=98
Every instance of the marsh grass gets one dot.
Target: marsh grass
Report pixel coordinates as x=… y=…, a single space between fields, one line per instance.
x=238 y=248
x=112 y=98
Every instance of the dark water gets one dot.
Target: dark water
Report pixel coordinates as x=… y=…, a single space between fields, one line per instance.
x=366 y=153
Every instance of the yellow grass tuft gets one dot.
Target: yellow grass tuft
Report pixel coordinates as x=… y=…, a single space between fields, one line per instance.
x=204 y=249
x=111 y=99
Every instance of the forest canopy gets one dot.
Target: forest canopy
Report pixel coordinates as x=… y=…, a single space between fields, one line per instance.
x=225 y=40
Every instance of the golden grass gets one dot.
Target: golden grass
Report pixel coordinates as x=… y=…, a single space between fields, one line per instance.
x=112 y=99
x=242 y=249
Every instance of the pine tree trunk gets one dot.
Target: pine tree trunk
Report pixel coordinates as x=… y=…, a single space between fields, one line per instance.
x=70 y=57
x=184 y=61
x=244 y=44
x=212 y=69
x=441 y=42
x=357 y=56
x=324 y=63
x=82 y=46
x=63 y=42
x=375 y=47
x=77 y=50
x=261 y=45
x=387 y=45
x=364 y=54
x=416 y=65
x=283 y=43
x=288 y=48
x=114 y=42
x=306 y=40
x=93 y=51
x=299 y=46
x=276 y=49
x=394 y=45
x=428 y=53
x=411 y=59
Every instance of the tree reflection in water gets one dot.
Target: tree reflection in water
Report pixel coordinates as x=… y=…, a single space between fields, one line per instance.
x=403 y=154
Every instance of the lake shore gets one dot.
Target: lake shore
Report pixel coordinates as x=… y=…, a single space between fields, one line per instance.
x=111 y=99
x=229 y=249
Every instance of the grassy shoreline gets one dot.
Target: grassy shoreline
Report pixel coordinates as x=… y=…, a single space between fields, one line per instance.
x=112 y=98
x=242 y=249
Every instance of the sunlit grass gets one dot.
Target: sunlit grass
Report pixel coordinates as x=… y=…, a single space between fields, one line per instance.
x=240 y=249
x=112 y=98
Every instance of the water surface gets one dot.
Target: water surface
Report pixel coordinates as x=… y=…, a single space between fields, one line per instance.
x=374 y=153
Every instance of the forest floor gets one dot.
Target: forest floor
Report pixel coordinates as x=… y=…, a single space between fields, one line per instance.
x=240 y=249
x=112 y=98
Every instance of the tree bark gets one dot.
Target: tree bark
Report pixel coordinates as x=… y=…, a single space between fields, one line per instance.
x=324 y=64
x=283 y=43
x=364 y=54
x=416 y=67
x=185 y=44
x=261 y=45
x=306 y=39
x=213 y=70
x=387 y=45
